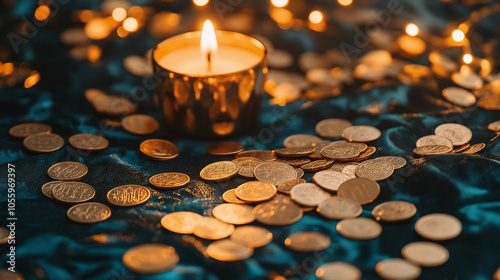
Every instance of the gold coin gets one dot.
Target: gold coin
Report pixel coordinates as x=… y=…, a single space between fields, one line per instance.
x=211 y=228
x=338 y=271
x=391 y=269
x=366 y=154
x=73 y=192
x=331 y=128
x=494 y=126
x=277 y=214
x=397 y=162
x=432 y=150
x=47 y=188
x=459 y=96
x=316 y=165
x=230 y=197
x=317 y=150
x=91 y=94
x=438 y=227
x=5 y=236
x=113 y=105
x=89 y=212
x=350 y=170
x=329 y=179
x=339 y=208
x=361 y=133
x=456 y=133
x=361 y=146
x=300 y=172
x=150 y=258
x=6 y=274
x=294 y=151
x=287 y=186
x=228 y=250
x=426 y=254
x=247 y=165
x=300 y=140
x=137 y=65
x=252 y=236
x=359 y=228
x=224 y=148
x=294 y=162
x=255 y=191
x=67 y=171
x=460 y=149
x=181 y=222
x=128 y=195
x=492 y=88
x=393 y=211
x=26 y=129
x=361 y=190
x=89 y=142
x=307 y=241
x=159 y=149
x=308 y=194
x=236 y=214
x=275 y=173
x=433 y=140
x=467 y=79
x=260 y=154
x=474 y=148
x=140 y=124
x=338 y=166
x=340 y=151
x=281 y=198
x=491 y=102
x=375 y=169
x=43 y=142
x=169 y=180
x=218 y=171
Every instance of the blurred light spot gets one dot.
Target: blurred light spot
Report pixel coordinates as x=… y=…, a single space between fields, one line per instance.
x=97 y=28
x=85 y=15
x=136 y=12
x=130 y=24
x=121 y=32
x=32 y=79
x=345 y=2
x=119 y=14
x=200 y=3
x=467 y=58
x=42 y=13
x=315 y=17
x=94 y=53
x=412 y=29
x=281 y=16
x=464 y=27
x=458 y=35
x=6 y=69
x=279 y=3
x=485 y=64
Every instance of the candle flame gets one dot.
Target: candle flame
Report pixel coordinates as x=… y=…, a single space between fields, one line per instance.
x=208 y=40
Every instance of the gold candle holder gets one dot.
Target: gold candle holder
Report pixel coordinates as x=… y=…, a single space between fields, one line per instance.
x=205 y=104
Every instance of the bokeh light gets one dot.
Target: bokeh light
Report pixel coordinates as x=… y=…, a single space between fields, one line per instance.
x=200 y=3
x=345 y=2
x=458 y=35
x=316 y=17
x=130 y=24
x=119 y=14
x=279 y=3
x=467 y=58
x=412 y=29
x=97 y=28
x=42 y=13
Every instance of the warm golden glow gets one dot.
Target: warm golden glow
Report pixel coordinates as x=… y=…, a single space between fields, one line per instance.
x=208 y=42
x=121 y=32
x=130 y=24
x=200 y=3
x=32 y=79
x=281 y=16
x=94 y=53
x=485 y=64
x=42 y=13
x=6 y=69
x=345 y=2
x=464 y=27
x=136 y=12
x=412 y=29
x=458 y=35
x=315 y=17
x=97 y=28
x=119 y=14
x=467 y=58
x=85 y=15
x=279 y=3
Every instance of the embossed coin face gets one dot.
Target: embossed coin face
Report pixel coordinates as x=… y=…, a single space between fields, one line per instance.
x=140 y=124
x=366 y=154
x=397 y=162
x=47 y=188
x=392 y=211
x=89 y=142
x=341 y=151
x=150 y=258
x=230 y=197
x=300 y=140
x=228 y=250
x=474 y=148
x=43 y=142
x=329 y=179
x=316 y=165
x=287 y=186
x=211 y=228
x=128 y=195
x=397 y=269
x=432 y=150
x=331 y=128
x=308 y=194
x=361 y=190
x=457 y=133
x=219 y=171
x=433 y=140
x=27 y=129
x=247 y=165
x=359 y=228
x=224 y=148
x=338 y=271
x=277 y=214
x=89 y=212
x=339 y=208
x=169 y=180
x=438 y=227
x=317 y=150
x=350 y=170
x=236 y=214
x=494 y=126
x=460 y=149
x=338 y=166
x=361 y=133
x=73 y=192
x=260 y=154
x=307 y=241
x=294 y=162
x=159 y=149
x=252 y=236
x=375 y=169
x=426 y=254
x=67 y=171
x=459 y=96
x=255 y=191
x=294 y=151
x=181 y=222
x=275 y=173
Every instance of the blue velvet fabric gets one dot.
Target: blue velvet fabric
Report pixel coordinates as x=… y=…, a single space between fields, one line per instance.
x=49 y=246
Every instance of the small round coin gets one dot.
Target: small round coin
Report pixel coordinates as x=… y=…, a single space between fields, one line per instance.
x=432 y=150
x=294 y=162
x=307 y=241
x=375 y=169
x=43 y=142
x=339 y=208
x=219 y=171
x=275 y=173
x=350 y=170
x=491 y=102
x=459 y=96
x=331 y=128
x=426 y=254
x=359 y=228
x=169 y=180
x=341 y=151
x=236 y=214
x=255 y=191
x=308 y=194
x=67 y=171
x=113 y=105
x=338 y=271
x=361 y=133
x=247 y=165
x=330 y=180
x=316 y=165
x=128 y=195
x=300 y=172
x=366 y=154
x=88 y=142
x=211 y=228
x=277 y=214
x=474 y=148
x=433 y=140
x=26 y=129
x=361 y=190
x=228 y=250
x=467 y=79
x=140 y=124
x=393 y=211
x=300 y=140
x=260 y=154
x=494 y=126
x=397 y=162
x=287 y=186
x=224 y=148
x=47 y=188
x=438 y=227
x=457 y=133
x=460 y=149
x=150 y=258
x=73 y=192
x=159 y=149
x=229 y=196
x=392 y=269
x=89 y=212
x=294 y=151
x=181 y=222
x=252 y=236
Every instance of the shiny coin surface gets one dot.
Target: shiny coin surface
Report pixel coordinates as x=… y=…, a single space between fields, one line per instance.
x=317 y=150
x=26 y=129
x=491 y=102
x=252 y=236
x=247 y=165
x=457 y=133
x=338 y=271
x=224 y=148
x=255 y=191
x=432 y=150
x=494 y=126
x=300 y=172
x=260 y=154
x=181 y=222
x=294 y=162
x=287 y=186
x=366 y=154
x=361 y=133
x=236 y=214
x=474 y=148
x=341 y=151
x=438 y=227
x=316 y=165
x=467 y=79
x=350 y=170
x=331 y=128
x=230 y=197
x=67 y=171
x=211 y=228
x=361 y=190
x=275 y=173
x=89 y=212
x=459 y=96
x=392 y=211
x=277 y=214
x=339 y=208
x=169 y=180
x=128 y=195
x=433 y=140
x=308 y=194
x=228 y=250
x=43 y=142
x=294 y=151
x=460 y=149
x=138 y=66
x=426 y=254
x=375 y=169
x=47 y=188
x=218 y=171
x=397 y=162
x=359 y=228
x=338 y=166
x=329 y=179
x=300 y=140
x=88 y=142
x=159 y=149
x=392 y=269
x=150 y=258
x=113 y=105
x=73 y=192
x=140 y=124
x=307 y=241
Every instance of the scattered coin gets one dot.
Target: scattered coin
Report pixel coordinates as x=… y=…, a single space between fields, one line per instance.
x=26 y=129
x=331 y=128
x=339 y=208
x=474 y=148
x=287 y=186
x=181 y=222
x=169 y=180
x=47 y=188
x=341 y=151
x=128 y=195
x=460 y=149
x=397 y=162
x=260 y=154
x=294 y=151
x=491 y=102
x=137 y=65
x=150 y=258
x=359 y=228
x=224 y=148
x=329 y=179
x=459 y=96
x=361 y=190
x=338 y=271
x=89 y=142
x=432 y=150
x=366 y=154
x=275 y=173
x=433 y=140
x=338 y=166
x=255 y=191
x=457 y=133
x=252 y=236
x=247 y=165
x=236 y=214
x=218 y=171
x=350 y=170
x=308 y=194
x=277 y=214
x=159 y=149
x=43 y=142
x=468 y=80
x=494 y=126
x=230 y=197
x=375 y=169
x=228 y=250
x=300 y=172
x=113 y=105
x=73 y=192
x=307 y=241
x=211 y=228
x=361 y=133
x=397 y=269
x=140 y=124
x=294 y=162
x=392 y=211
x=316 y=165
x=438 y=227
x=300 y=140
x=67 y=171
x=317 y=149
x=426 y=254
x=89 y=212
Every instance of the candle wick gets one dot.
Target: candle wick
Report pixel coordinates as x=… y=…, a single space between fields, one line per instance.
x=209 y=60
